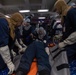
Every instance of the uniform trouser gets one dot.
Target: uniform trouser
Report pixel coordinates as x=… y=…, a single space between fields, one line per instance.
x=35 y=50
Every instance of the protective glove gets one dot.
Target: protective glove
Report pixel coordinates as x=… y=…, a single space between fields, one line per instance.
x=47 y=50
x=13 y=53
x=20 y=48
x=62 y=45
x=4 y=51
x=11 y=68
x=24 y=48
x=17 y=44
x=21 y=42
x=23 y=45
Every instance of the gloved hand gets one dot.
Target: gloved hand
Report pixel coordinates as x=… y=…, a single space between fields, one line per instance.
x=11 y=67
x=4 y=51
x=13 y=53
x=21 y=42
x=62 y=45
x=18 y=45
x=24 y=45
x=20 y=48
x=47 y=50
x=24 y=48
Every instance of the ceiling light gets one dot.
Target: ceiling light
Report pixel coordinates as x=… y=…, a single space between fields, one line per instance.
x=41 y=17
x=24 y=11
x=43 y=10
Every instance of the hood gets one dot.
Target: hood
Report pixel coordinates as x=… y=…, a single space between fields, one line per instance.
x=62 y=7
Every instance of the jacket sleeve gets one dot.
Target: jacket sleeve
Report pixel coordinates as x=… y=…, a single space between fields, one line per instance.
x=4 y=32
x=5 y=53
x=68 y=41
x=4 y=49
x=70 y=22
